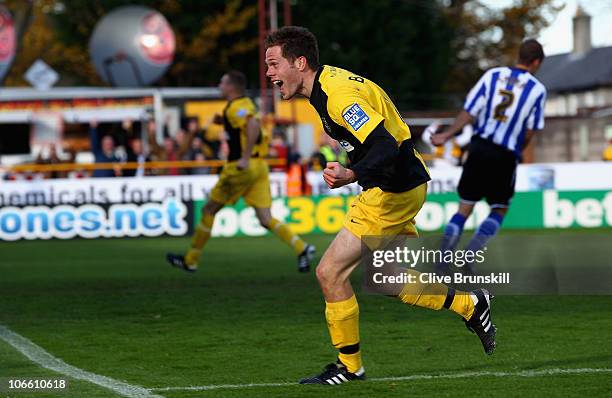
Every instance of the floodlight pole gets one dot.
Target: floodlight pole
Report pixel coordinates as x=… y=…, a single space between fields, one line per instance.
x=287 y=13
x=270 y=8
x=263 y=81
x=274 y=26
x=287 y=20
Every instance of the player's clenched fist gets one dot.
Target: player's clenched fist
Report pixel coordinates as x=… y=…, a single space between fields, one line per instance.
x=336 y=176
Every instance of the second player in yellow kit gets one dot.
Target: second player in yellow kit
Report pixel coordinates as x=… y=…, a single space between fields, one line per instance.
x=245 y=175
x=252 y=183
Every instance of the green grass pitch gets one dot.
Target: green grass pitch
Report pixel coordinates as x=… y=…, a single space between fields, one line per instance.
x=114 y=308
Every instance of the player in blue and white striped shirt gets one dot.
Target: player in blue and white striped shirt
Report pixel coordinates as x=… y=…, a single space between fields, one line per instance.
x=506 y=107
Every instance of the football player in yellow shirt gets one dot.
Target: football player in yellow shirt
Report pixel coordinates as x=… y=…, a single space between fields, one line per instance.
x=359 y=114
x=246 y=175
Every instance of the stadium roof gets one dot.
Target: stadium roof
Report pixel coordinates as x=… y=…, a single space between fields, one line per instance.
x=577 y=72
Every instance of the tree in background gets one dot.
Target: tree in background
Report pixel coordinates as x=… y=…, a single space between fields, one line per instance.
x=483 y=38
x=212 y=36
x=401 y=45
x=425 y=53
x=212 y=42
x=38 y=39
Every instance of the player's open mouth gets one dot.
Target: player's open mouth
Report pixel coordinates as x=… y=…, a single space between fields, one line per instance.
x=278 y=83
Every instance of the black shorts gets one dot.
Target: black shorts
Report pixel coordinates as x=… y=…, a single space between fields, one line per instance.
x=489 y=172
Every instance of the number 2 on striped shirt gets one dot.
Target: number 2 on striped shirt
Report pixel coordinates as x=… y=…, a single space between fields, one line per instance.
x=500 y=110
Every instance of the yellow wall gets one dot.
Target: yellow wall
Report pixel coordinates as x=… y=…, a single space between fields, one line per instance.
x=304 y=114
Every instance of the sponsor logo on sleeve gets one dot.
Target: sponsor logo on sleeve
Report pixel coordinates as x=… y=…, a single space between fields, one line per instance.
x=355 y=117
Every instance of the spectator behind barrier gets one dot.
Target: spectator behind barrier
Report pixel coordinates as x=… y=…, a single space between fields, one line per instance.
x=196 y=152
x=166 y=153
x=50 y=158
x=103 y=151
x=136 y=153
x=279 y=148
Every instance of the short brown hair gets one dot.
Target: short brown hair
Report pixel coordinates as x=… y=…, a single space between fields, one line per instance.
x=530 y=51
x=295 y=42
x=237 y=79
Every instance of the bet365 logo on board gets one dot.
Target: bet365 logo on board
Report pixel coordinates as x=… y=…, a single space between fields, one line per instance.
x=355 y=116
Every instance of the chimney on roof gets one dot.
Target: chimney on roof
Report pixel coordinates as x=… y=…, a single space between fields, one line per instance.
x=582 y=31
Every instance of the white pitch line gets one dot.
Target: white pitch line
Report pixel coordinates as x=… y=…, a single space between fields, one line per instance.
x=41 y=357
x=522 y=373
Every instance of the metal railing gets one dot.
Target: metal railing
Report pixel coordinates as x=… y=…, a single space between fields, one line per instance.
x=178 y=164
x=151 y=165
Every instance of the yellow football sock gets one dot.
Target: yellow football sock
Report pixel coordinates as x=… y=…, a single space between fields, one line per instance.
x=343 y=324
x=199 y=239
x=435 y=296
x=462 y=304
x=284 y=233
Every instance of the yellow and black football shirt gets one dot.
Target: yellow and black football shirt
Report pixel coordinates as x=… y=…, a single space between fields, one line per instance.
x=351 y=107
x=235 y=117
